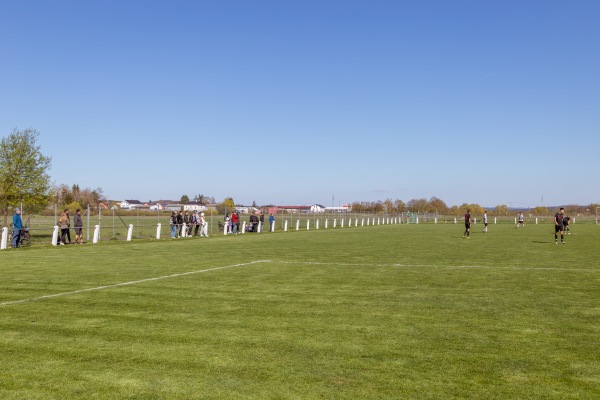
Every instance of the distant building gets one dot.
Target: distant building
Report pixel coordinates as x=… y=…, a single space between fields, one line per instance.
x=194 y=206
x=131 y=204
x=317 y=208
x=344 y=208
x=245 y=209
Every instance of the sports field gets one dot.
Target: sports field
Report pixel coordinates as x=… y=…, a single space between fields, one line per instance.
x=379 y=312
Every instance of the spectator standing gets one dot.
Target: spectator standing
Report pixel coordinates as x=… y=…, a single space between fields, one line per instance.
x=69 y=225
x=262 y=221
x=173 y=224
x=203 y=226
x=17 y=228
x=271 y=222
x=186 y=221
x=78 y=225
x=235 y=219
x=253 y=223
x=197 y=223
x=63 y=222
x=180 y=221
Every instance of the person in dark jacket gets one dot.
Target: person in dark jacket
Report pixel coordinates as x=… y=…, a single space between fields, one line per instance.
x=69 y=224
x=180 y=221
x=78 y=225
x=173 y=223
x=17 y=228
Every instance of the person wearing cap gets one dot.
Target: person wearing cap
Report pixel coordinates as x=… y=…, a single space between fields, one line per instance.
x=17 y=228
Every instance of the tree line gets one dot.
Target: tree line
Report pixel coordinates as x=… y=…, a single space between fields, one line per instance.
x=437 y=206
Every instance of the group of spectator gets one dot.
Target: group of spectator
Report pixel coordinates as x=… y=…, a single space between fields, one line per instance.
x=64 y=222
x=194 y=223
x=233 y=223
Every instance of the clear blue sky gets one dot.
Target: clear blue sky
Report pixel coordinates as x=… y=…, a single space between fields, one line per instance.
x=489 y=102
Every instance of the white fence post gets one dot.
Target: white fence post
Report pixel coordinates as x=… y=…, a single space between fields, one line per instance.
x=55 y=236
x=494 y=220
x=130 y=232
x=536 y=220
x=158 y=230
x=334 y=222
x=454 y=219
x=326 y=223
x=272 y=229
x=285 y=225
x=260 y=227
x=243 y=227
x=435 y=220
x=297 y=224
x=96 y=234
x=349 y=222
x=4 y=241
x=317 y=224
x=308 y=224
x=342 y=222
x=417 y=220
x=225 y=228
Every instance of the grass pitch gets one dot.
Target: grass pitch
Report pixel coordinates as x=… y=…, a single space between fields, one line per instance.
x=392 y=311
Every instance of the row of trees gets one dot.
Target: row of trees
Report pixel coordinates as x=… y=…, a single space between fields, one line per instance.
x=438 y=207
x=74 y=197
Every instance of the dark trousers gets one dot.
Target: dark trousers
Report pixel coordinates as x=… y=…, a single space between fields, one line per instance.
x=63 y=234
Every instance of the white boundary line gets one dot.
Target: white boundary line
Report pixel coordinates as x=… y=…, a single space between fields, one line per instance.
x=50 y=296
x=438 y=266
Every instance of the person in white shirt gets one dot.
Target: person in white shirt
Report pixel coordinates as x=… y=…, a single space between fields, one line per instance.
x=203 y=226
x=485 y=222
x=521 y=220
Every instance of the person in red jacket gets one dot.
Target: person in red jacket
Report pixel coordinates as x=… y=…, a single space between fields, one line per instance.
x=235 y=220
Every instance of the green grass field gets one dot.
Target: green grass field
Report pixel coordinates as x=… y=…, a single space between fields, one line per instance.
x=379 y=312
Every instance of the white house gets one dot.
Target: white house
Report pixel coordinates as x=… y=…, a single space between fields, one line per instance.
x=344 y=208
x=131 y=204
x=194 y=206
x=317 y=208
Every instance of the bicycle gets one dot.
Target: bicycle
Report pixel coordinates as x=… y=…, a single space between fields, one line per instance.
x=24 y=238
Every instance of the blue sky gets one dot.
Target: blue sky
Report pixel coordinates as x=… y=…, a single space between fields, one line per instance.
x=489 y=102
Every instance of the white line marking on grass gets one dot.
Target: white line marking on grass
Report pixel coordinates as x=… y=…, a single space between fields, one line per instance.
x=437 y=266
x=50 y=296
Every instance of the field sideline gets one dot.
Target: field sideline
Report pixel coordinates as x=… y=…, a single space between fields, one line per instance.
x=390 y=311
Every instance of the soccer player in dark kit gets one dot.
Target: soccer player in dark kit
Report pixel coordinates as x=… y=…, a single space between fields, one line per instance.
x=559 y=226
x=467 y=223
